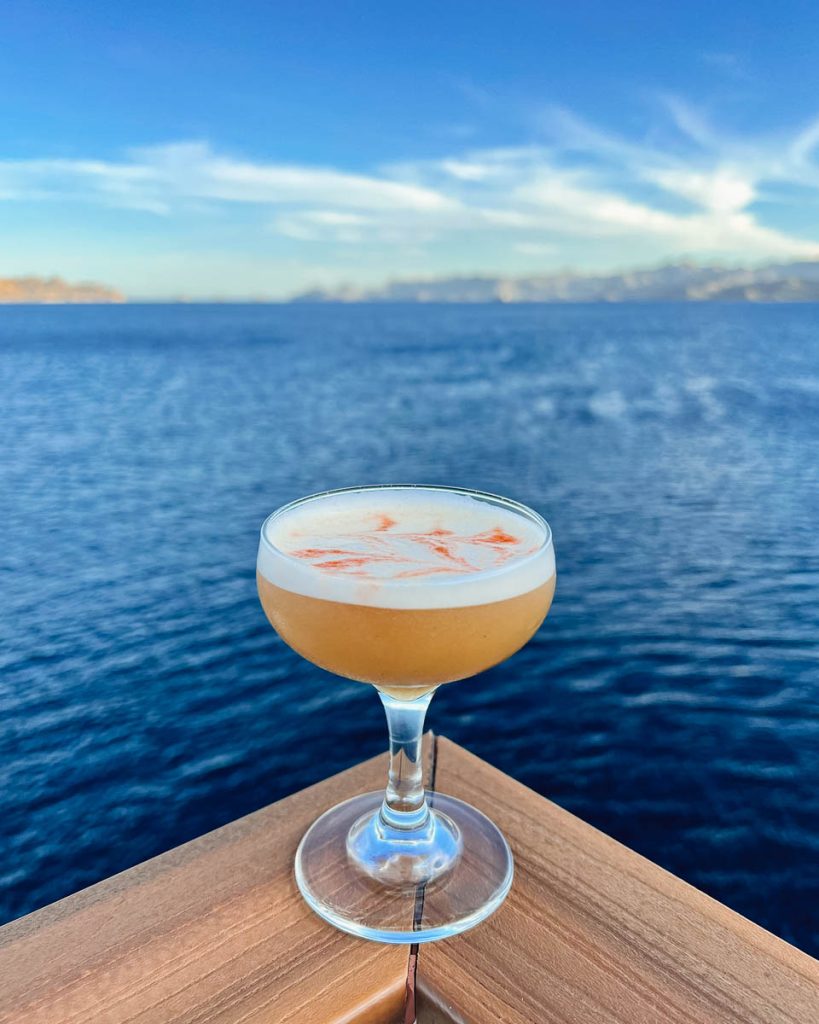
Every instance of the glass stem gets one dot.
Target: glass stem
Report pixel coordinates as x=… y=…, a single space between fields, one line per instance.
x=405 y=804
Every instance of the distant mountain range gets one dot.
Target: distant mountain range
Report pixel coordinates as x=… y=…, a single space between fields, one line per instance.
x=54 y=289
x=681 y=282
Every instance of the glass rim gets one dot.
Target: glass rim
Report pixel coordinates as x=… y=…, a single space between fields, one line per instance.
x=489 y=496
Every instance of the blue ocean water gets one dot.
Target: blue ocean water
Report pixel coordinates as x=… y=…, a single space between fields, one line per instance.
x=670 y=698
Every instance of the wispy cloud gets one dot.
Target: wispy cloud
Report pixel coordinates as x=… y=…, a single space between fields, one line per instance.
x=723 y=190
x=693 y=124
x=803 y=149
x=163 y=177
x=687 y=188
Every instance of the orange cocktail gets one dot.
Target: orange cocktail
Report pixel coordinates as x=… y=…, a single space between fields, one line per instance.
x=405 y=588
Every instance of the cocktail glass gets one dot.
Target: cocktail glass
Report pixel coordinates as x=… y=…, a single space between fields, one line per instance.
x=402 y=865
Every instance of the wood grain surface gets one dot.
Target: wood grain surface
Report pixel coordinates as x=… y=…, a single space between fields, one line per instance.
x=592 y=933
x=215 y=932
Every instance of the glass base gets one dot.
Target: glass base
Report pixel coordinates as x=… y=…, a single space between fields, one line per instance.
x=438 y=882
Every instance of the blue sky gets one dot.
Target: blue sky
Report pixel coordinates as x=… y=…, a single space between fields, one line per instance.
x=256 y=149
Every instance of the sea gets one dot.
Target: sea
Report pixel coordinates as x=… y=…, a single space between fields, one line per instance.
x=671 y=697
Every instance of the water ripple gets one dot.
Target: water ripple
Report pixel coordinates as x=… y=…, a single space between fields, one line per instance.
x=669 y=699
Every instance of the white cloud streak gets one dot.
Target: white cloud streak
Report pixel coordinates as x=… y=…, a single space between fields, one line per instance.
x=693 y=195
x=163 y=177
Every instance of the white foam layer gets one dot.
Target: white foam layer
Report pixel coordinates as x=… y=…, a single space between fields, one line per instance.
x=405 y=547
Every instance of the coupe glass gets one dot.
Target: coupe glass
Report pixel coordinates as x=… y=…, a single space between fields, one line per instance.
x=404 y=866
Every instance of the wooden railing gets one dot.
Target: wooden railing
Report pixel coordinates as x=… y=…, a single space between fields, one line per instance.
x=215 y=931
